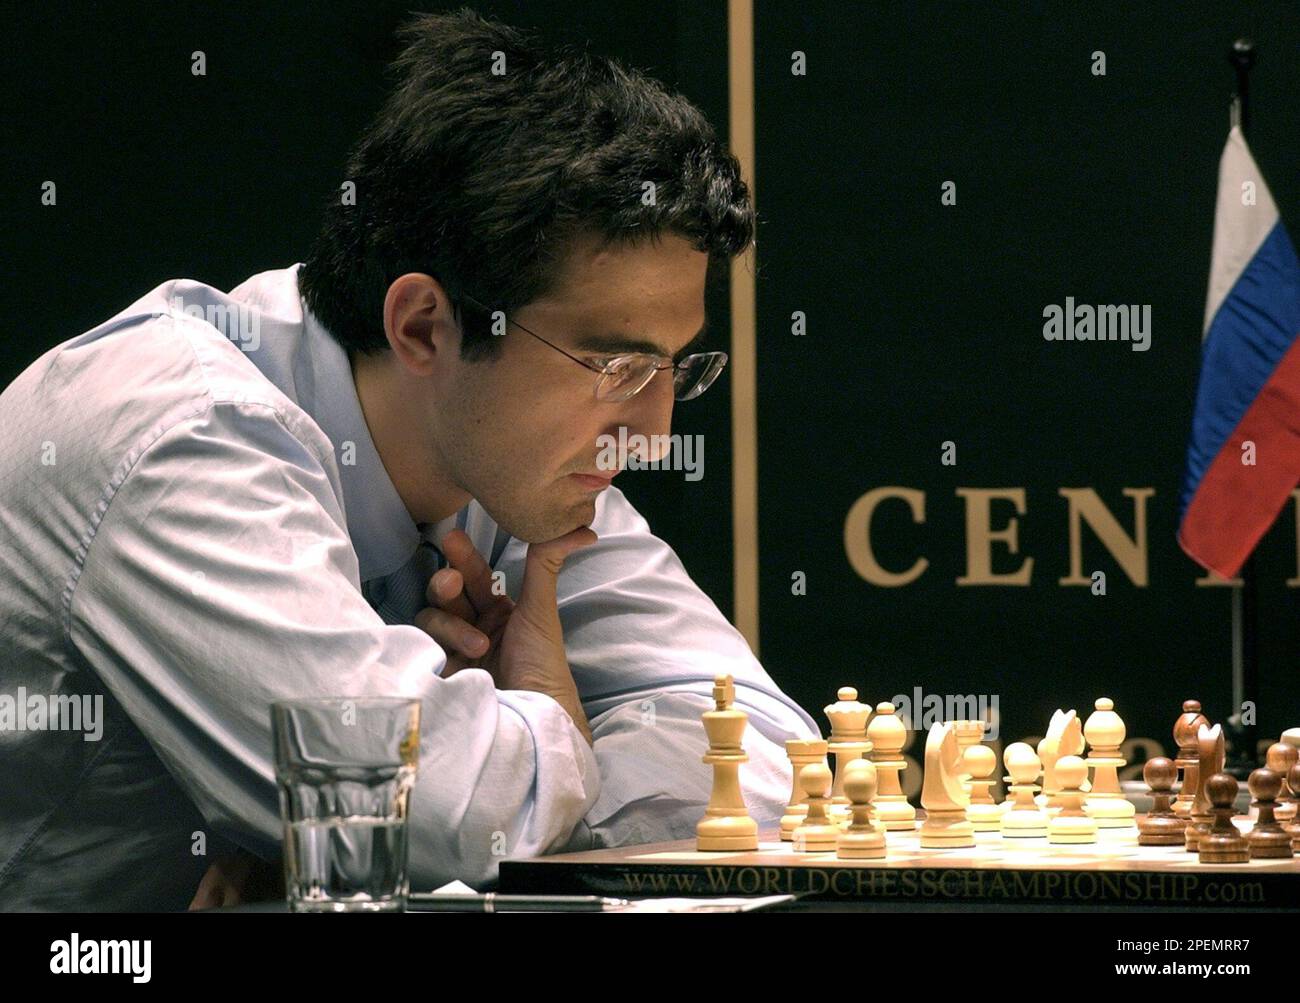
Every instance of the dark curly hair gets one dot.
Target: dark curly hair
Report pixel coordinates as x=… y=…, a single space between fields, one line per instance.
x=480 y=178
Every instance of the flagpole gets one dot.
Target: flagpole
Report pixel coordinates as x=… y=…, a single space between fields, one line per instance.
x=1245 y=597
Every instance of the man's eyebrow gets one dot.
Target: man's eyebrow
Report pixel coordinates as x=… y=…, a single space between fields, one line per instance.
x=611 y=344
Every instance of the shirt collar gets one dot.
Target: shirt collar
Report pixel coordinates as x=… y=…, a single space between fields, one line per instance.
x=383 y=533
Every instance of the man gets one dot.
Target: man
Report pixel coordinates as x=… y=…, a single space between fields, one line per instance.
x=214 y=501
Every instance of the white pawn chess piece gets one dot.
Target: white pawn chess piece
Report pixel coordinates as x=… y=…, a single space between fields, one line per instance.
x=942 y=795
x=1106 y=803
x=801 y=752
x=863 y=839
x=1024 y=819
x=1064 y=738
x=1072 y=824
x=848 y=741
x=726 y=824
x=817 y=833
x=984 y=814
x=888 y=735
x=969 y=734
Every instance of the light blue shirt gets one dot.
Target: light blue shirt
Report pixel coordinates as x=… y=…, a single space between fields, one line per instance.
x=192 y=513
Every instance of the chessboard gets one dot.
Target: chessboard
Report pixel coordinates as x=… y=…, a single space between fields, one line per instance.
x=1115 y=871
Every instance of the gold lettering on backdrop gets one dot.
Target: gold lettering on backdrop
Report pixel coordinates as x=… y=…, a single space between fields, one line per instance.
x=857 y=536
x=1130 y=553
x=980 y=537
x=1083 y=506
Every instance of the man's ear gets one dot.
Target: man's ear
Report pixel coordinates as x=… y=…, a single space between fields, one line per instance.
x=419 y=322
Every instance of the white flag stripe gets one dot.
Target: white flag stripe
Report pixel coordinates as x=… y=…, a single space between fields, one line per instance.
x=1239 y=229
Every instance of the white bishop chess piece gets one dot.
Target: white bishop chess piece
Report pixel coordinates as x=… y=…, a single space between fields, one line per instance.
x=1105 y=732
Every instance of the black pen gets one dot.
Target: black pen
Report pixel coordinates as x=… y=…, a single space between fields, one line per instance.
x=494 y=902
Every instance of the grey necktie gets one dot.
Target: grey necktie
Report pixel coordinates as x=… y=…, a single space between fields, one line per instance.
x=401 y=595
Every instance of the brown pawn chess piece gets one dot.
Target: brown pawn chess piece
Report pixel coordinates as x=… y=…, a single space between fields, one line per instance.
x=1209 y=762
x=1267 y=838
x=1293 y=827
x=1280 y=758
x=863 y=839
x=1161 y=827
x=1188 y=761
x=818 y=833
x=1224 y=843
x=726 y=824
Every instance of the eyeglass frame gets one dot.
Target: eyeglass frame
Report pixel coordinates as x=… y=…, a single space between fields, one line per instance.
x=605 y=371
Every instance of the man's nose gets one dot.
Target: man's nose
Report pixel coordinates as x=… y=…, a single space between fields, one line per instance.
x=650 y=414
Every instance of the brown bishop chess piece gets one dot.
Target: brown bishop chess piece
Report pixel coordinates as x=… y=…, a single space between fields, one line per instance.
x=1280 y=758
x=1293 y=827
x=1224 y=843
x=1186 y=729
x=1161 y=827
x=1209 y=762
x=1267 y=839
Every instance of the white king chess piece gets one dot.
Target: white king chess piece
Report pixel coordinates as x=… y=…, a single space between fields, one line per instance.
x=726 y=824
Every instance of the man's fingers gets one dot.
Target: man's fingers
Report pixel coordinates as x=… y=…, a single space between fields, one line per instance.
x=461 y=554
x=453 y=633
x=208 y=895
x=446 y=592
x=223 y=882
x=542 y=566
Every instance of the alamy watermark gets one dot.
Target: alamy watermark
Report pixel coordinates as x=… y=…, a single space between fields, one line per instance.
x=1084 y=322
x=920 y=711
x=651 y=452
x=237 y=321
x=61 y=712
x=75 y=956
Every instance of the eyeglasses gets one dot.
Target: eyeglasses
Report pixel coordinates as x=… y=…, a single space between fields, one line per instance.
x=624 y=376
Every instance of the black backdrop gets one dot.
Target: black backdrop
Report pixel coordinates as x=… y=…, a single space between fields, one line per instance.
x=924 y=320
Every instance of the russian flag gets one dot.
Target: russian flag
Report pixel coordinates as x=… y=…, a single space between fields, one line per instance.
x=1249 y=389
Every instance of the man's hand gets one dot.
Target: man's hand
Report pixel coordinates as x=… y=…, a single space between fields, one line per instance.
x=236 y=878
x=520 y=644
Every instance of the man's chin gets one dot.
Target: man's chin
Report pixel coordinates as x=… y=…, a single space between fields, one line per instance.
x=539 y=529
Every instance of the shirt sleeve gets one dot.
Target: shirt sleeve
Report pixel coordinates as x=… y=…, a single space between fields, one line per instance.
x=645 y=643
x=219 y=577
